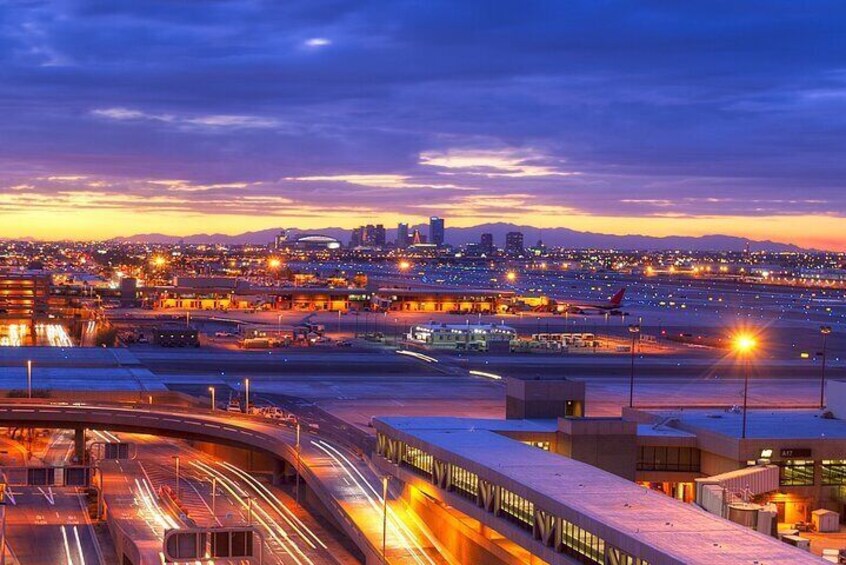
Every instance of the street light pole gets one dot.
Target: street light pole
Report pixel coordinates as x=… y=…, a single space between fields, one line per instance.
x=176 y=458
x=634 y=329
x=745 y=394
x=824 y=330
x=213 y=404
x=298 y=464
x=29 y=379
x=214 y=498
x=384 y=518
x=246 y=396
x=744 y=344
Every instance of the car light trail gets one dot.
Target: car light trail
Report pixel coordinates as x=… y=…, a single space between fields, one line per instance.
x=17 y=333
x=401 y=531
x=416 y=355
x=148 y=499
x=67 y=546
x=290 y=518
x=56 y=335
x=259 y=514
x=78 y=546
x=493 y=376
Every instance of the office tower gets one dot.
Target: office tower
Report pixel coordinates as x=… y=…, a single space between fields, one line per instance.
x=514 y=243
x=402 y=236
x=436 y=230
x=486 y=245
x=355 y=237
x=281 y=239
x=379 y=235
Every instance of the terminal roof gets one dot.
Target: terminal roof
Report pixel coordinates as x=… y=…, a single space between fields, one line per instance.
x=587 y=495
x=760 y=424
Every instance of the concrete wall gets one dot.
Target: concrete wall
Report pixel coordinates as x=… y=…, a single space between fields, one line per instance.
x=543 y=398
x=607 y=443
x=835 y=398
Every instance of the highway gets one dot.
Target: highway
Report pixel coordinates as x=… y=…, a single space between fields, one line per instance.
x=353 y=487
x=291 y=535
x=52 y=525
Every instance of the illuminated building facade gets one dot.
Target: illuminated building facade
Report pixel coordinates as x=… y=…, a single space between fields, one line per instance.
x=465 y=301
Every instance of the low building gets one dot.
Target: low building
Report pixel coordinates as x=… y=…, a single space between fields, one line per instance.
x=24 y=295
x=475 y=475
x=202 y=293
x=676 y=447
x=551 y=466
x=482 y=337
x=309 y=242
x=458 y=301
x=318 y=298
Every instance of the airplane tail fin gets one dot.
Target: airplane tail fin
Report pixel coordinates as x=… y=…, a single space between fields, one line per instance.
x=617 y=299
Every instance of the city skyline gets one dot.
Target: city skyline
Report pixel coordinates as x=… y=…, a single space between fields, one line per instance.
x=657 y=120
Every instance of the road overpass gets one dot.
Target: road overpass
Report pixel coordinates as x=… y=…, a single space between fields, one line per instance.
x=326 y=469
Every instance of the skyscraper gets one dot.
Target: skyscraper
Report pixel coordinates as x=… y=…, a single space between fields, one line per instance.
x=486 y=245
x=355 y=237
x=514 y=243
x=436 y=230
x=280 y=239
x=379 y=238
x=402 y=236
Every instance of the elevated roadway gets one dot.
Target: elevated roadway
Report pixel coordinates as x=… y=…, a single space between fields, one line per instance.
x=348 y=487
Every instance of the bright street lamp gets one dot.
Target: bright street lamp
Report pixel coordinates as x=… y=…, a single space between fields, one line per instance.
x=744 y=345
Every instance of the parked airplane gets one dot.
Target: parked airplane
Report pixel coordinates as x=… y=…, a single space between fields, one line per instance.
x=613 y=305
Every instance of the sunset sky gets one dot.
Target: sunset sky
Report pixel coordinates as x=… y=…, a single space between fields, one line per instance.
x=186 y=116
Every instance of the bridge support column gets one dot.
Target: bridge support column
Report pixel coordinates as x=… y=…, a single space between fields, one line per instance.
x=79 y=445
x=280 y=473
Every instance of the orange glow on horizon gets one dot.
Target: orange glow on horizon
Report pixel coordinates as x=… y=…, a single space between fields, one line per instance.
x=83 y=223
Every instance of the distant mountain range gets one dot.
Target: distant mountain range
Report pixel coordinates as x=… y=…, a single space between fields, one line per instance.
x=553 y=237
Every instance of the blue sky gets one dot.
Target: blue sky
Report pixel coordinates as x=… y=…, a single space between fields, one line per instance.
x=179 y=116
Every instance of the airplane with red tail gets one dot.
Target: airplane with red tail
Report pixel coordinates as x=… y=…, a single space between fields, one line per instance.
x=561 y=306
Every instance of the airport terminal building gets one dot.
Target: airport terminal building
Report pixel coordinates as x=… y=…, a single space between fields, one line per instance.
x=633 y=489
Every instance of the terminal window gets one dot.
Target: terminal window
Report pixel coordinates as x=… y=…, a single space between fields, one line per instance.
x=464 y=482
x=418 y=460
x=833 y=471
x=657 y=458
x=797 y=473
x=517 y=509
x=579 y=542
